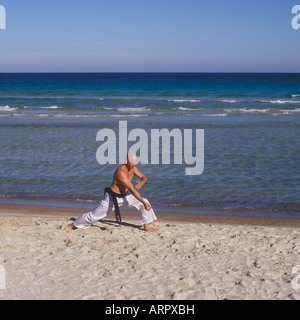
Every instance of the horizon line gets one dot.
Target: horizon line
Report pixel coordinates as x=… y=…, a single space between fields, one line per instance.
x=154 y=72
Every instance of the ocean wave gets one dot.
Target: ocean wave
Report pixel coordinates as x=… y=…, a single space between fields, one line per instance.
x=292 y=111
x=280 y=101
x=270 y=111
x=50 y=97
x=142 y=109
x=228 y=100
x=295 y=95
x=7 y=108
x=183 y=109
x=215 y=115
x=46 y=115
x=245 y=110
x=184 y=100
x=51 y=107
x=64 y=115
x=142 y=112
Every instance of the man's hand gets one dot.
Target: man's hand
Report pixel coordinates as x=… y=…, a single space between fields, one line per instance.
x=138 y=184
x=147 y=206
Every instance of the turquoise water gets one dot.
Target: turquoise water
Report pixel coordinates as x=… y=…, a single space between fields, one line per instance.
x=49 y=123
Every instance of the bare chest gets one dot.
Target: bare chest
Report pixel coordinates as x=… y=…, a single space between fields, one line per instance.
x=130 y=175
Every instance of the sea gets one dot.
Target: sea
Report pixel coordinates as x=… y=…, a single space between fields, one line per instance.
x=49 y=124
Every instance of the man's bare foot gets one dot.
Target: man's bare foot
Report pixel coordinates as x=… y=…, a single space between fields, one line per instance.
x=70 y=227
x=149 y=229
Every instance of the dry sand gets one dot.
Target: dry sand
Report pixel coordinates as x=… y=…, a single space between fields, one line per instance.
x=191 y=257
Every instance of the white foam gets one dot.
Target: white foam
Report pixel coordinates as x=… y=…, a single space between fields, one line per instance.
x=295 y=95
x=215 y=115
x=133 y=109
x=45 y=115
x=228 y=100
x=184 y=109
x=253 y=111
x=279 y=101
x=184 y=100
x=247 y=110
x=63 y=115
x=7 y=108
x=290 y=111
x=52 y=107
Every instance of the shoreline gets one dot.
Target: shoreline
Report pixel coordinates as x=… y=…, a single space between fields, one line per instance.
x=17 y=210
x=272 y=211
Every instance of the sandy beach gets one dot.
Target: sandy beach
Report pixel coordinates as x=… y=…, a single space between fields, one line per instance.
x=190 y=258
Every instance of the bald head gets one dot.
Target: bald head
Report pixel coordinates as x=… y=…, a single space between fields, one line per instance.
x=132 y=158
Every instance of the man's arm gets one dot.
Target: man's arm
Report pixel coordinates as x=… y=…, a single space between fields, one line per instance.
x=141 y=176
x=122 y=177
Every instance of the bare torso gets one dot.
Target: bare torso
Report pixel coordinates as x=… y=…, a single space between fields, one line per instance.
x=116 y=185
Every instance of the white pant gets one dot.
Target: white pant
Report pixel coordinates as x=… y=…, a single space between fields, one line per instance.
x=106 y=207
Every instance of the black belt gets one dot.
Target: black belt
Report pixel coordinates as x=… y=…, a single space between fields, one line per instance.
x=114 y=197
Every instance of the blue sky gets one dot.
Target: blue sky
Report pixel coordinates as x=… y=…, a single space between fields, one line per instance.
x=149 y=36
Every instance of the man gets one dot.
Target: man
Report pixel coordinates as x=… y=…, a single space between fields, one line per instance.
x=117 y=195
